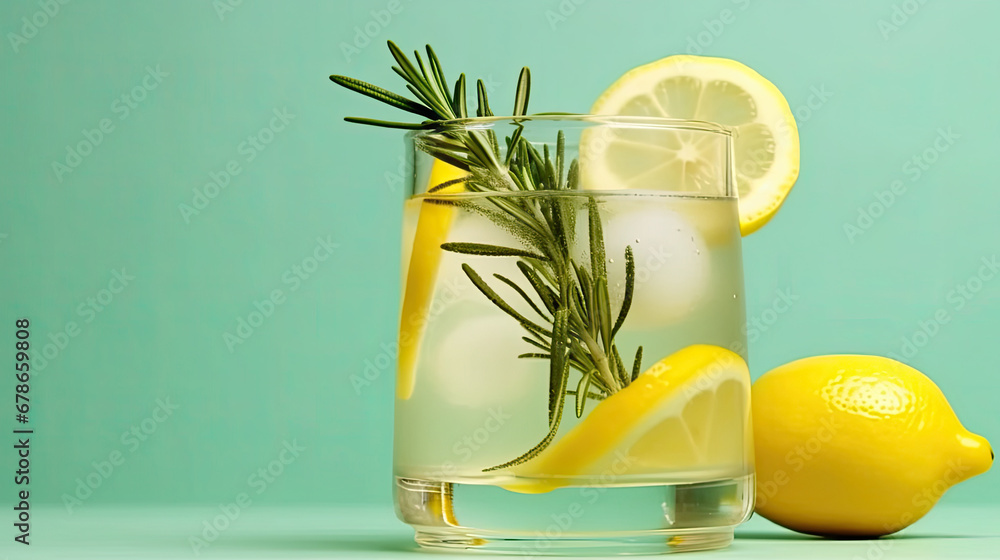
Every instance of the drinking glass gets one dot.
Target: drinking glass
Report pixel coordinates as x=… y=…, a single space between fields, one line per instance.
x=526 y=420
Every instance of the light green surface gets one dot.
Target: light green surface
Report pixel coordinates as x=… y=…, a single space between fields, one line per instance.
x=162 y=336
x=955 y=532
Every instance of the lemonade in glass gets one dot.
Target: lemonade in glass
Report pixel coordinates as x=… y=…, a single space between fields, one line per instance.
x=572 y=371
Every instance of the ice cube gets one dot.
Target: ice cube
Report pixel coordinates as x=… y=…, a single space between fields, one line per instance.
x=475 y=362
x=672 y=265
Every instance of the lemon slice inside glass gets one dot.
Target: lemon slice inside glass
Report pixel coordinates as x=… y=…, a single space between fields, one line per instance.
x=718 y=90
x=421 y=272
x=688 y=413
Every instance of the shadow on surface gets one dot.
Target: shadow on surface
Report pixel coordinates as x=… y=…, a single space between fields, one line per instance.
x=354 y=543
x=774 y=536
x=791 y=536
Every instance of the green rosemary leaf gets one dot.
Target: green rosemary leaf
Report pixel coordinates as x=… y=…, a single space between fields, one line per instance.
x=521 y=95
x=558 y=378
x=487 y=250
x=451 y=157
x=527 y=179
x=482 y=102
x=426 y=79
x=521 y=293
x=621 y=373
x=560 y=157
x=512 y=141
x=559 y=364
x=598 y=260
x=478 y=282
x=508 y=221
x=586 y=288
x=581 y=303
x=534 y=159
x=582 y=391
x=430 y=101
x=637 y=364
x=384 y=124
x=458 y=101
x=435 y=97
x=590 y=394
x=551 y=179
x=629 y=289
x=534 y=451
x=406 y=67
x=558 y=209
x=384 y=95
x=544 y=292
x=436 y=83
x=494 y=145
x=537 y=331
x=481 y=146
x=445 y=184
x=573 y=176
x=535 y=343
x=419 y=88
x=603 y=304
x=512 y=144
x=436 y=70
x=457 y=160
x=431 y=142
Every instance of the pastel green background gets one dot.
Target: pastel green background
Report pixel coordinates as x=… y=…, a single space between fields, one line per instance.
x=889 y=92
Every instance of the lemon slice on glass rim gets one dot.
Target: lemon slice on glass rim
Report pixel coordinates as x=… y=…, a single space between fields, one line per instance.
x=717 y=90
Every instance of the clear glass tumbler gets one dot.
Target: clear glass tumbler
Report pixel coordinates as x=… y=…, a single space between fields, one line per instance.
x=572 y=356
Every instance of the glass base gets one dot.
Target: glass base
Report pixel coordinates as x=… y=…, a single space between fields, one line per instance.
x=639 y=543
x=575 y=521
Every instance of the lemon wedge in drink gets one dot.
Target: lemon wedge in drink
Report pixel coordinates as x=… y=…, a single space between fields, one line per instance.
x=421 y=271
x=718 y=90
x=689 y=413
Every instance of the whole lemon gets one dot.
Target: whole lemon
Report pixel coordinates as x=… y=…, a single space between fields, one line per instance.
x=856 y=446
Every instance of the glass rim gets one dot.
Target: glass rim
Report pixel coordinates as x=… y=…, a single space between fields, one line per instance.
x=662 y=123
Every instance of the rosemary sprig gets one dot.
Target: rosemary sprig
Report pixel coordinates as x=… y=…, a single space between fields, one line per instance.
x=574 y=327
